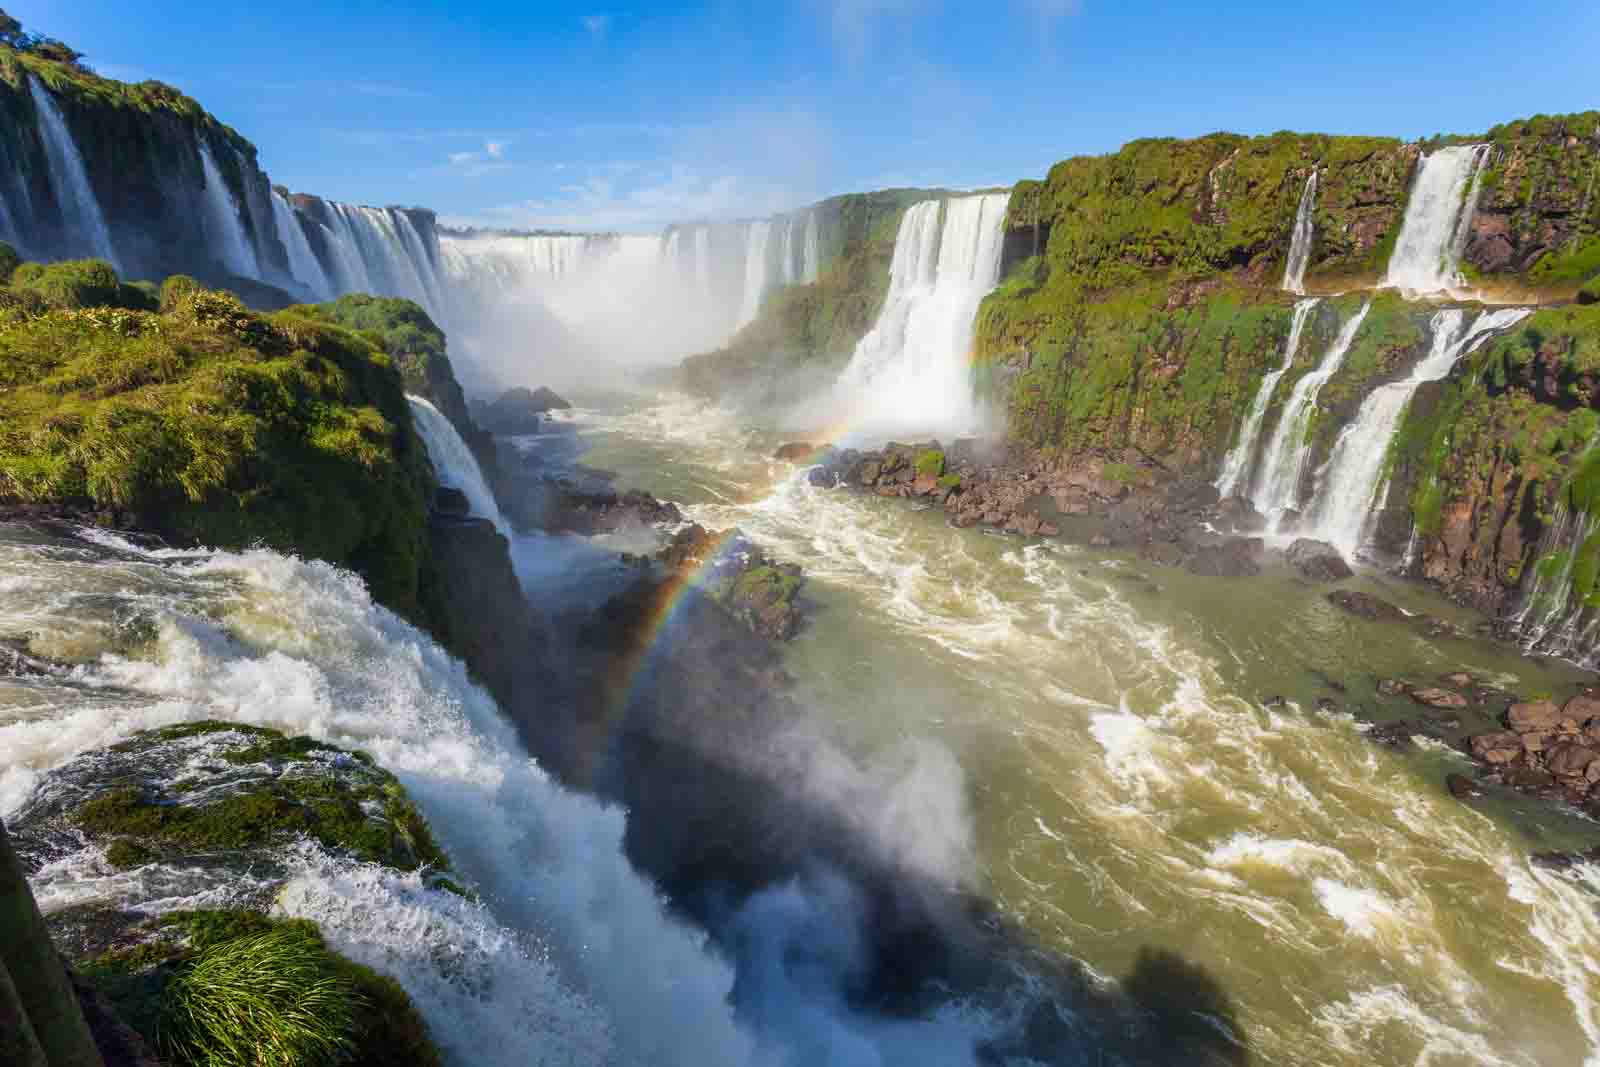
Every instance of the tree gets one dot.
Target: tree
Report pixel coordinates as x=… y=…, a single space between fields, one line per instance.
x=10 y=29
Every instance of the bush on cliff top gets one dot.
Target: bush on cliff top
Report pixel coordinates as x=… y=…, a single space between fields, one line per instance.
x=77 y=283
x=209 y=424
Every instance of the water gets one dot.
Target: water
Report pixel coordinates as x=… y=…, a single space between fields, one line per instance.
x=1353 y=485
x=812 y=255
x=454 y=462
x=757 y=234
x=1294 y=271
x=1438 y=216
x=786 y=253
x=910 y=373
x=1278 y=484
x=224 y=231
x=1238 y=464
x=304 y=266
x=80 y=210
x=1128 y=789
x=1550 y=616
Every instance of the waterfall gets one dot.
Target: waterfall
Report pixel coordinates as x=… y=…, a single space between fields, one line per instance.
x=1353 y=484
x=1550 y=616
x=303 y=265
x=757 y=234
x=1278 y=490
x=225 y=234
x=786 y=273
x=81 y=217
x=1438 y=216
x=1236 y=466
x=811 y=263
x=702 y=258
x=454 y=462
x=380 y=251
x=1294 y=271
x=911 y=370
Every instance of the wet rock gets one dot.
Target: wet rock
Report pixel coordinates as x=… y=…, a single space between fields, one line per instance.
x=1430 y=626
x=1582 y=709
x=1275 y=701
x=1327 y=704
x=795 y=452
x=1397 y=734
x=1236 y=557
x=589 y=511
x=1317 y=561
x=1568 y=757
x=1240 y=515
x=453 y=502
x=1529 y=779
x=1394 y=687
x=1435 y=697
x=1365 y=605
x=1461 y=787
x=1533 y=715
x=517 y=411
x=1564 y=861
x=1497 y=748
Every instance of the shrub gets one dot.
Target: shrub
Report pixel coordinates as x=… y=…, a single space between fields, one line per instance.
x=177 y=290
x=930 y=463
x=9 y=262
x=1590 y=293
x=73 y=283
x=275 y=999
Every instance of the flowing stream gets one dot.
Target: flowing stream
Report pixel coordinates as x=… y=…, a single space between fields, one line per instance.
x=1237 y=464
x=1130 y=788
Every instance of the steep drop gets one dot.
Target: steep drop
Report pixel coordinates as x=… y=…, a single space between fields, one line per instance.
x=1444 y=197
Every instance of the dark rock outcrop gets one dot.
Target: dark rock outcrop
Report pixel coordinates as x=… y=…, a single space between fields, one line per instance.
x=1366 y=605
x=1317 y=561
x=518 y=411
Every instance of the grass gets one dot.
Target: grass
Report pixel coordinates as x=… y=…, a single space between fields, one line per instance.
x=272 y=999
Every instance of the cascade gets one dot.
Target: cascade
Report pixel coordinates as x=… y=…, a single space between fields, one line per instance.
x=810 y=265
x=1279 y=481
x=454 y=462
x=80 y=211
x=1294 y=271
x=422 y=260
x=1236 y=466
x=1352 y=485
x=1551 y=616
x=224 y=231
x=786 y=254
x=702 y=258
x=303 y=264
x=1444 y=198
x=911 y=369
x=757 y=234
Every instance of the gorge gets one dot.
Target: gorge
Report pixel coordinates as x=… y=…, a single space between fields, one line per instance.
x=1144 y=615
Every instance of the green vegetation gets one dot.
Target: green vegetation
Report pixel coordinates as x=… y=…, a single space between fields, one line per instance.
x=1590 y=293
x=950 y=481
x=358 y=808
x=399 y=327
x=930 y=463
x=210 y=424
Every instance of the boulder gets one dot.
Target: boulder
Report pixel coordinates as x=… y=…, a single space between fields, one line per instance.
x=1317 y=561
x=1365 y=605
x=795 y=452
x=1529 y=778
x=1435 y=697
x=1581 y=709
x=448 y=501
x=1461 y=787
x=1569 y=757
x=1393 y=687
x=1234 y=558
x=1533 y=716
x=516 y=412
x=1502 y=746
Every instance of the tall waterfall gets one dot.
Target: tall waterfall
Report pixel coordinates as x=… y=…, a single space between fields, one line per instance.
x=702 y=257
x=1438 y=217
x=303 y=264
x=81 y=216
x=911 y=371
x=1551 y=616
x=1294 y=271
x=224 y=230
x=1278 y=484
x=786 y=272
x=1237 y=464
x=811 y=259
x=1354 y=483
x=454 y=462
x=381 y=256
x=756 y=264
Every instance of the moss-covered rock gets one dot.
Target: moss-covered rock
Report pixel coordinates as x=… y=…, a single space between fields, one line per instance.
x=209 y=424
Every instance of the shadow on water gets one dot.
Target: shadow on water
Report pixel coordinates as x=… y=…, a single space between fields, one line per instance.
x=758 y=830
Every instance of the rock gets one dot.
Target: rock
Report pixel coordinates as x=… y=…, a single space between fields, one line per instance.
x=1535 y=742
x=795 y=452
x=1530 y=779
x=1275 y=701
x=1327 y=704
x=1317 y=561
x=1395 y=734
x=869 y=472
x=517 y=411
x=1499 y=747
x=1365 y=605
x=1581 y=709
x=1461 y=787
x=1049 y=529
x=1234 y=558
x=925 y=485
x=1457 y=679
x=1434 y=697
x=1430 y=626
x=448 y=501
x=1240 y=514
x=1394 y=687
x=1569 y=757
x=1533 y=715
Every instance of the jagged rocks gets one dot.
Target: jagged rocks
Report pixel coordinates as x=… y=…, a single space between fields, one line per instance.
x=1549 y=750
x=588 y=510
x=1533 y=716
x=451 y=502
x=1317 y=561
x=734 y=573
x=1436 y=697
x=518 y=411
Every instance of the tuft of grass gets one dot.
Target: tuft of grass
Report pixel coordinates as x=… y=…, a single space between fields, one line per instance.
x=930 y=463
x=274 y=999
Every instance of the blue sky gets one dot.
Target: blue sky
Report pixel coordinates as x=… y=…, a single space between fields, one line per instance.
x=628 y=115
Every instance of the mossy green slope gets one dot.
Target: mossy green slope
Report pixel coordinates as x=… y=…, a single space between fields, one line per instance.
x=210 y=424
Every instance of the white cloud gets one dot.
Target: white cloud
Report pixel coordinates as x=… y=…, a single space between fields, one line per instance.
x=597 y=25
x=496 y=149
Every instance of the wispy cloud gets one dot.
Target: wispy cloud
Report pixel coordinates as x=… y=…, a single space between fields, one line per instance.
x=476 y=163
x=597 y=25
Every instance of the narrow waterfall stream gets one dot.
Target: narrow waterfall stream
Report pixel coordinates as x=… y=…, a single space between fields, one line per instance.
x=1238 y=467
x=1294 y=270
